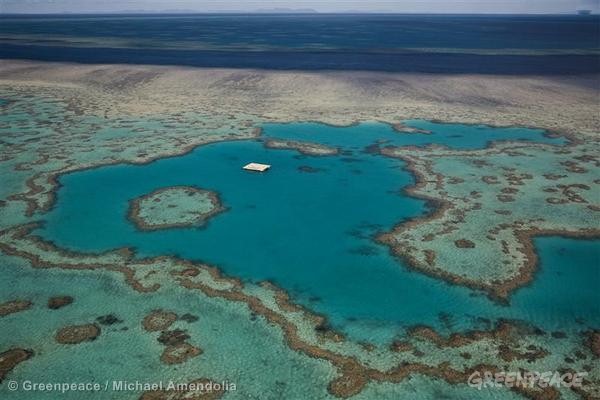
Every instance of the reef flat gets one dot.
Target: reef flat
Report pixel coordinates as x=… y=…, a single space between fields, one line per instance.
x=489 y=203
x=560 y=103
x=173 y=207
x=311 y=149
x=58 y=119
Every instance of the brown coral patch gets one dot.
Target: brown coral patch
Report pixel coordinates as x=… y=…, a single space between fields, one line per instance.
x=593 y=342
x=480 y=163
x=158 y=320
x=454 y=180
x=501 y=332
x=554 y=177
x=109 y=319
x=509 y=190
x=14 y=306
x=428 y=237
x=189 y=318
x=573 y=167
x=325 y=332
x=490 y=180
x=503 y=212
x=464 y=244
x=399 y=346
x=569 y=191
x=532 y=354
x=54 y=303
x=179 y=353
x=429 y=257
x=505 y=198
x=77 y=333
x=11 y=358
x=200 y=389
x=538 y=393
x=351 y=381
x=173 y=338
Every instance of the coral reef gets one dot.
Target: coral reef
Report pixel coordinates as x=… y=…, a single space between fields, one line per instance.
x=75 y=334
x=54 y=303
x=158 y=320
x=172 y=207
x=199 y=389
x=307 y=148
x=14 y=306
x=11 y=358
x=470 y=237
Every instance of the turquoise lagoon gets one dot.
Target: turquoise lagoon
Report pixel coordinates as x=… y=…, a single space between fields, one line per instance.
x=312 y=233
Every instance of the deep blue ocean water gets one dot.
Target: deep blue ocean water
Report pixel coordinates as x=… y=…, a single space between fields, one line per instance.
x=312 y=233
x=410 y=43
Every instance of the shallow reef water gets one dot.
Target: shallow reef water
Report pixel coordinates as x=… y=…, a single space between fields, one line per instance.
x=232 y=345
x=308 y=227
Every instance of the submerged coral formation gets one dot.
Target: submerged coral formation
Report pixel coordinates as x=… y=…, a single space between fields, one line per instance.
x=307 y=148
x=14 y=306
x=158 y=320
x=75 y=334
x=178 y=353
x=199 y=389
x=177 y=350
x=54 y=303
x=9 y=359
x=472 y=237
x=174 y=207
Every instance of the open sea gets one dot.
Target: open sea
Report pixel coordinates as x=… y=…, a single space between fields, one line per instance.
x=398 y=43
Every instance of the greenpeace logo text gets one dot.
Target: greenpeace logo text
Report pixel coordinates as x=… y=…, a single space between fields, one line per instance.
x=530 y=379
